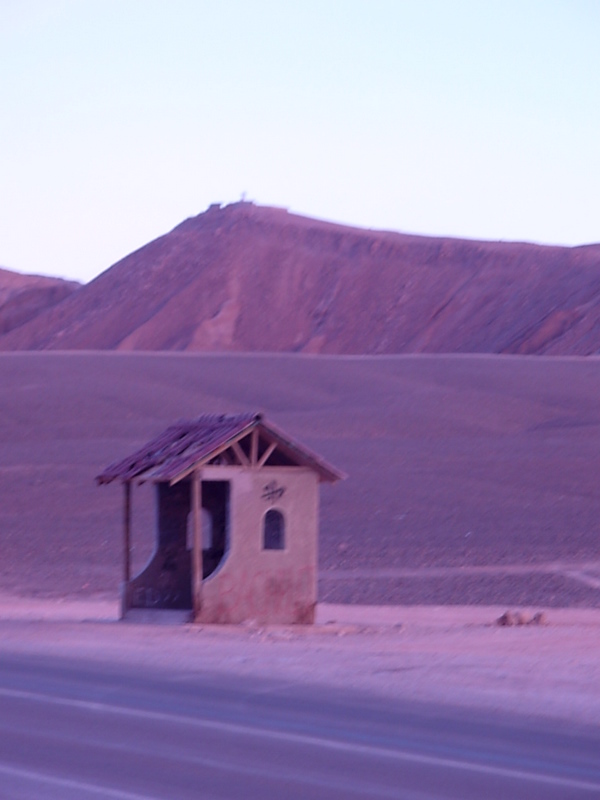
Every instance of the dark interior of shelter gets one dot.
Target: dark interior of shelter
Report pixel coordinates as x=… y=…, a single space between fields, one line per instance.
x=166 y=581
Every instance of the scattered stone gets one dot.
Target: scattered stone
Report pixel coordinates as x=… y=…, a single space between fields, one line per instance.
x=539 y=618
x=510 y=618
x=505 y=619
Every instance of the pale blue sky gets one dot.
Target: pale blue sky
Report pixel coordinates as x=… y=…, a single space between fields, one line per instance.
x=120 y=118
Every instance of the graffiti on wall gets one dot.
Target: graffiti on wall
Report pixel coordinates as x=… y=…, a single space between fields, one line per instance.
x=272 y=491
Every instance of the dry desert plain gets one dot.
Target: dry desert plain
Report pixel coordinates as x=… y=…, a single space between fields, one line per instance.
x=472 y=479
x=472 y=488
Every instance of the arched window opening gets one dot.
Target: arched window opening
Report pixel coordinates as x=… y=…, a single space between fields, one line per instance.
x=273 y=530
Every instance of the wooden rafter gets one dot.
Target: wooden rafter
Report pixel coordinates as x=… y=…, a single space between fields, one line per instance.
x=189 y=445
x=254 y=447
x=225 y=449
x=267 y=454
x=243 y=458
x=127 y=532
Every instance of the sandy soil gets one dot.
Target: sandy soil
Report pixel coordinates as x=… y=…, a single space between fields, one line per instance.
x=472 y=479
x=456 y=656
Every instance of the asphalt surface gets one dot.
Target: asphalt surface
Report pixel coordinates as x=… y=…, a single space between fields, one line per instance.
x=73 y=730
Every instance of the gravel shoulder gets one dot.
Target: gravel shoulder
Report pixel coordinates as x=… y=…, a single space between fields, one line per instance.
x=450 y=655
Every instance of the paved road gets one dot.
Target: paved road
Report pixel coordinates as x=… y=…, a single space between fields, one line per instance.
x=74 y=731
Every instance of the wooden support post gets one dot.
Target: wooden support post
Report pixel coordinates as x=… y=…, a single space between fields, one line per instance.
x=197 y=549
x=126 y=547
x=127 y=532
x=242 y=457
x=254 y=447
x=265 y=456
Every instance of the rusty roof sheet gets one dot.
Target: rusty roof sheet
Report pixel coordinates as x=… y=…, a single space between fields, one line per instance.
x=185 y=442
x=173 y=453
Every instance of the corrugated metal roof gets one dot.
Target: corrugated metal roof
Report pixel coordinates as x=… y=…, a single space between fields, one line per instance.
x=173 y=453
x=188 y=441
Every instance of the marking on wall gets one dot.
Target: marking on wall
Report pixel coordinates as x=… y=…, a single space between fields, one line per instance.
x=273 y=491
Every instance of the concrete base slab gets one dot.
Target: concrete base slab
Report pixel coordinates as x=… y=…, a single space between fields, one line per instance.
x=158 y=616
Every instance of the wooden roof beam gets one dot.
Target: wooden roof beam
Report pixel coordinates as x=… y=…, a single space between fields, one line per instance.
x=243 y=458
x=267 y=454
x=254 y=447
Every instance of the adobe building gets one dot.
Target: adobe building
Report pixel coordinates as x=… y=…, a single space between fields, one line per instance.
x=237 y=515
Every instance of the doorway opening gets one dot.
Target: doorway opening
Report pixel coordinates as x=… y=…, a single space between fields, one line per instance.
x=215 y=525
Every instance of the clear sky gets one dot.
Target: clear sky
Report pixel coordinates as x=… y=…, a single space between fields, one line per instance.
x=120 y=118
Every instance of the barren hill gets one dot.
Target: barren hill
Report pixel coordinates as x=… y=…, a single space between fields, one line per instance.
x=250 y=278
x=22 y=297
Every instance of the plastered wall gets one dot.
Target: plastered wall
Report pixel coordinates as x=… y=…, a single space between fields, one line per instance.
x=266 y=586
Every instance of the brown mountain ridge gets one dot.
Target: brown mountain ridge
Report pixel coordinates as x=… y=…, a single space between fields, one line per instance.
x=250 y=278
x=22 y=297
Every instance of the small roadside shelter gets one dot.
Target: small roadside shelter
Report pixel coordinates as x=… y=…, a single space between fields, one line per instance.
x=237 y=518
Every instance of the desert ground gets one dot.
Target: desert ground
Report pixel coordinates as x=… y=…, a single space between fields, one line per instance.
x=436 y=656
x=472 y=479
x=472 y=489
